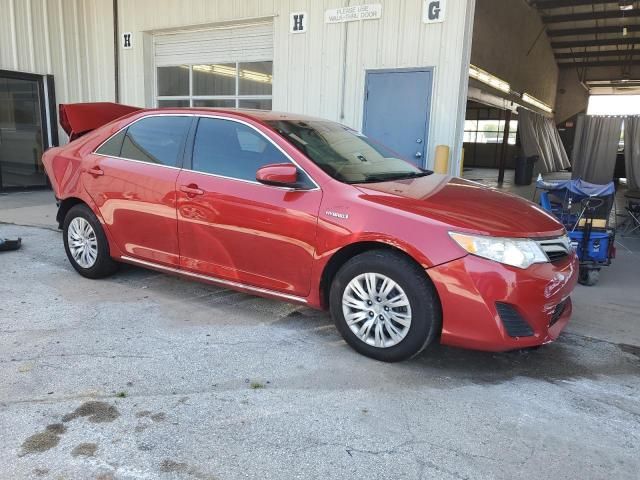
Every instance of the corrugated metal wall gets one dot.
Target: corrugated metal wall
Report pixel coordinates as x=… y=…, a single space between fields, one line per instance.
x=70 y=39
x=73 y=40
x=308 y=67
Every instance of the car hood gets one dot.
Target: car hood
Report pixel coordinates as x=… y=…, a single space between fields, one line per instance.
x=464 y=205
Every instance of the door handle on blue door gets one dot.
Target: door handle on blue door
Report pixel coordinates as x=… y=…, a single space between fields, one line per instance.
x=418 y=155
x=191 y=190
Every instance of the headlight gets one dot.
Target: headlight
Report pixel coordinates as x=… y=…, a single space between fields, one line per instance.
x=517 y=252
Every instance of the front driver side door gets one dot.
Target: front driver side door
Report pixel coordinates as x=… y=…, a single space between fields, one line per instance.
x=232 y=227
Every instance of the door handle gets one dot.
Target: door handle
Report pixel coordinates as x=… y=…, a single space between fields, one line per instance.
x=418 y=155
x=191 y=190
x=95 y=171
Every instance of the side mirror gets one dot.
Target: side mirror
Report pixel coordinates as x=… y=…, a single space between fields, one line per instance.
x=278 y=174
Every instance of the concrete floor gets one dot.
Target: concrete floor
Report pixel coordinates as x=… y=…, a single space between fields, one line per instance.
x=144 y=375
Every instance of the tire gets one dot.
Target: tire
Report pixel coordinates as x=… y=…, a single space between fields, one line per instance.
x=383 y=337
x=81 y=225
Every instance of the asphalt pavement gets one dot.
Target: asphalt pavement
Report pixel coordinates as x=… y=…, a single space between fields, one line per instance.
x=145 y=375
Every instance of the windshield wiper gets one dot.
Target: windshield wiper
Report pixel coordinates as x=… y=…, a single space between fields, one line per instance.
x=387 y=177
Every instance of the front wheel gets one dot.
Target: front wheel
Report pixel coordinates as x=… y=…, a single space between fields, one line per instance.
x=385 y=306
x=86 y=244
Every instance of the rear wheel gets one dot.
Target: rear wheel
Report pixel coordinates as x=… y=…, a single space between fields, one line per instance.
x=86 y=244
x=384 y=306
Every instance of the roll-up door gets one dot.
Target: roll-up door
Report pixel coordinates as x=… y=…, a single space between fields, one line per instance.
x=247 y=43
x=229 y=66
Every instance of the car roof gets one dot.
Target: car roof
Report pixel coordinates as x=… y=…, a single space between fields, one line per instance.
x=259 y=115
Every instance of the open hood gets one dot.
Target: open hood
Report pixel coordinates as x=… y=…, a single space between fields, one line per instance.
x=79 y=118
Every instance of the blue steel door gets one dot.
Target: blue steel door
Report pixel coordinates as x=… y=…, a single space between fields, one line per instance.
x=396 y=110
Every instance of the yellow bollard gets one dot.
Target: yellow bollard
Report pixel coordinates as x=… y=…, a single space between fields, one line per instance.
x=441 y=163
x=462 y=163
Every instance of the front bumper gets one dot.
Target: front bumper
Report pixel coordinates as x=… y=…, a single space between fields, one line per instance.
x=472 y=290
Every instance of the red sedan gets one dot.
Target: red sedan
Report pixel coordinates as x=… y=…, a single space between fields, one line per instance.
x=310 y=211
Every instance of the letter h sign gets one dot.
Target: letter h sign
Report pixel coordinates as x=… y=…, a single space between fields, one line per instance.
x=298 y=22
x=127 y=40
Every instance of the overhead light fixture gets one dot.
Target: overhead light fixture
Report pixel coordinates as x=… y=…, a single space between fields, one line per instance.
x=488 y=79
x=531 y=100
x=256 y=76
x=231 y=72
x=216 y=69
x=626 y=4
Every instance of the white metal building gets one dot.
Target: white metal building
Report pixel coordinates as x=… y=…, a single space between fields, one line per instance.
x=344 y=60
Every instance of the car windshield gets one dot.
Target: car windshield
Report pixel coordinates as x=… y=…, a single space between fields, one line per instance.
x=345 y=154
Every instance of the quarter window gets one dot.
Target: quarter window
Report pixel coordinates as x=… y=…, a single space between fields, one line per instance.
x=112 y=146
x=234 y=150
x=156 y=140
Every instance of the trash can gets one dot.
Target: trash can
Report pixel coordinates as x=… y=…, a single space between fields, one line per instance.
x=524 y=169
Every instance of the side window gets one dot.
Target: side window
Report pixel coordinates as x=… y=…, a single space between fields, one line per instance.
x=112 y=146
x=231 y=149
x=156 y=139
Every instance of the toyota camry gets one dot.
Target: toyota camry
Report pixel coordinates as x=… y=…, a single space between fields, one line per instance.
x=311 y=212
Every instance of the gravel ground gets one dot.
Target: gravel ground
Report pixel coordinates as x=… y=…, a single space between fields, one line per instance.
x=145 y=375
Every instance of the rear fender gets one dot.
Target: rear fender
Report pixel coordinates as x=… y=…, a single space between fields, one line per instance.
x=64 y=168
x=66 y=204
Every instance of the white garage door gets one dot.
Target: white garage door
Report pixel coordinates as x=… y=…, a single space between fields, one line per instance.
x=221 y=67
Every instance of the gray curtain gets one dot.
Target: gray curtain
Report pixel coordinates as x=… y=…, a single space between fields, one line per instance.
x=632 y=151
x=595 y=147
x=539 y=136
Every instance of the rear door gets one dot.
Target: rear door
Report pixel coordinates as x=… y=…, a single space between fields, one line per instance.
x=132 y=179
x=232 y=227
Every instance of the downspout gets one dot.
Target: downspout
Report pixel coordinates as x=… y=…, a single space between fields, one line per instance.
x=116 y=52
x=344 y=66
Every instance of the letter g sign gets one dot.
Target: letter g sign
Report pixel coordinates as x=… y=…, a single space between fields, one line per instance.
x=433 y=11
